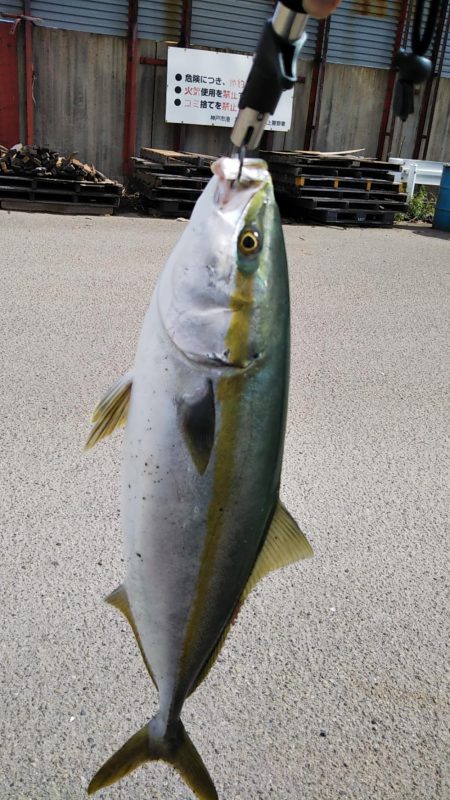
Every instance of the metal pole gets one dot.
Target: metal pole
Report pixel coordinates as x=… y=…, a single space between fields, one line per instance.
x=314 y=84
x=186 y=24
x=323 y=61
x=29 y=74
x=185 y=41
x=130 y=126
x=391 y=80
x=428 y=86
x=437 y=81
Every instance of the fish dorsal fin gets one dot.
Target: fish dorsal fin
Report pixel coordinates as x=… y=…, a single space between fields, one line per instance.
x=197 y=415
x=119 y=599
x=112 y=411
x=283 y=545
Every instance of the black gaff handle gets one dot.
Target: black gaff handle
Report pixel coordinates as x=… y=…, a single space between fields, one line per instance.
x=273 y=71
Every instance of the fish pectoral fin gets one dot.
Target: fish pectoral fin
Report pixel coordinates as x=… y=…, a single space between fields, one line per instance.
x=197 y=415
x=119 y=599
x=284 y=544
x=150 y=744
x=112 y=411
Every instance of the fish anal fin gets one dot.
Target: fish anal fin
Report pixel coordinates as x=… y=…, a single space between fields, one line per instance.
x=197 y=415
x=119 y=599
x=284 y=544
x=111 y=412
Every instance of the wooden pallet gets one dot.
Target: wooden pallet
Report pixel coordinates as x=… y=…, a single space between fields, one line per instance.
x=330 y=171
x=142 y=165
x=353 y=204
x=298 y=157
x=330 y=191
x=292 y=184
x=333 y=216
x=168 y=206
x=59 y=191
x=170 y=183
x=336 y=188
x=154 y=180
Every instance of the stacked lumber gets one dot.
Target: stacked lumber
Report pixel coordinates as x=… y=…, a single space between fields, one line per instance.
x=36 y=178
x=169 y=182
x=334 y=188
x=31 y=160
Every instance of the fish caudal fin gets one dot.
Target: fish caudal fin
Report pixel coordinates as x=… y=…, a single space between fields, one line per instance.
x=133 y=753
x=188 y=763
x=149 y=745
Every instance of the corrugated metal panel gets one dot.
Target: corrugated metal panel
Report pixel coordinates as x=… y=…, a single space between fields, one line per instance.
x=93 y=16
x=229 y=25
x=446 y=64
x=309 y=49
x=237 y=26
x=11 y=7
x=362 y=33
x=160 y=21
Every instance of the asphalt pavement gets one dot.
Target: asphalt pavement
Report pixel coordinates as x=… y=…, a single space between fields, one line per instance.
x=334 y=682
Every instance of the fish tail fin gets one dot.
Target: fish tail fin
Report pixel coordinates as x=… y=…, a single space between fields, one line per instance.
x=152 y=743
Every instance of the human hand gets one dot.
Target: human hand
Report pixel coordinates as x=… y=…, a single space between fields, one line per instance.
x=320 y=8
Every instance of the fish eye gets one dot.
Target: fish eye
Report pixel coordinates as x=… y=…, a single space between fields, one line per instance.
x=249 y=242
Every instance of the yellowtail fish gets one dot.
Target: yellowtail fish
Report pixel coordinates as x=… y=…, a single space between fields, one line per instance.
x=205 y=412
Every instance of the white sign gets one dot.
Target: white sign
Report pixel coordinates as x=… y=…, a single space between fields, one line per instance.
x=203 y=88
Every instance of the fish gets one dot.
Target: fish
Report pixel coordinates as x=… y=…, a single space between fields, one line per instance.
x=204 y=410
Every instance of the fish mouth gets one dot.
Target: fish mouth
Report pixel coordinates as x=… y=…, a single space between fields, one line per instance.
x=222 y=361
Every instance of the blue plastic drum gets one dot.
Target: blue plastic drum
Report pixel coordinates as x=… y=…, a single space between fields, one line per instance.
x=442 y=213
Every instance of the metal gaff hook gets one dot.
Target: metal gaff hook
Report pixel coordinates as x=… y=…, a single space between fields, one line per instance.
x=241 y=161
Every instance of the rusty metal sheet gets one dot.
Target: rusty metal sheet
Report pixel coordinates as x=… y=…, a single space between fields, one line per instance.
x=363 y=33
x=9 y=88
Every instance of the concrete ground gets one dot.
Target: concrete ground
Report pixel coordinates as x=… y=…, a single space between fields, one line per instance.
x=333 y=684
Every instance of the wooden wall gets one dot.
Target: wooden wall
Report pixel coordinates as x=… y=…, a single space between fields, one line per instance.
x=79 y=93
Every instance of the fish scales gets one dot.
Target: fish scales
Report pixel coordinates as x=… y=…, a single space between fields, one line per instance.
x=203 y=449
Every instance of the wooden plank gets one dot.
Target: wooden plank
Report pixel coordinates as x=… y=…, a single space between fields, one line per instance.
x=163 y=156
x=299 y=157
x=49 y=207
x=322 y=153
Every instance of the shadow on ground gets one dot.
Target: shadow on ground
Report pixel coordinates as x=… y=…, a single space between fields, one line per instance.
x=431 y=233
